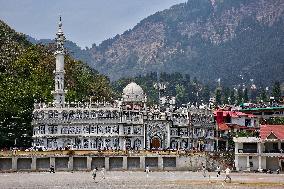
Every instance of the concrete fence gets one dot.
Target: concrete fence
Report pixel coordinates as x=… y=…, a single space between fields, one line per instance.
x=87 y=163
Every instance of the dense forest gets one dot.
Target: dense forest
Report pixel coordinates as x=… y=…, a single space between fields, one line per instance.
x=190 y=90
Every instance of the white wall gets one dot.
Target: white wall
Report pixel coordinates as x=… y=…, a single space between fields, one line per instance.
x=238 y=121
x=254 y=160
x=242 y=163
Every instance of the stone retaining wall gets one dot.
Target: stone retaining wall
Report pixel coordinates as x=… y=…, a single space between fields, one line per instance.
x=87 y=163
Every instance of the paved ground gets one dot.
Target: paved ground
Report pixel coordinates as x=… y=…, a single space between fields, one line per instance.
x=120 y=179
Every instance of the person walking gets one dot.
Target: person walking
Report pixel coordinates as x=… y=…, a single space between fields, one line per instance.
x=94 y=173
x=204 y=171
x=227 y=172
x=103 y=172
x=147 y=171
x=51 y=169
x=218 y=169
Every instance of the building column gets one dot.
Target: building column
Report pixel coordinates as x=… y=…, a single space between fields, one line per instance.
x=14 y=163
x=227 y=145
x=248 y=165
x=89 y=163
x=52 y=162
x=142 y=162
x=236 y=147
x=259 y=164
x=160 y=163
x=168 y=136
x=33 y=165
x=237 y=163
x=89 y=141
x=259 y=148
x=279 y=145
x=124 y=163
x=70 y=163
x=217 y=145
x=107 y=163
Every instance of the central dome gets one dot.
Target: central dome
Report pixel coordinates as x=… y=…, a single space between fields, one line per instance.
x=133 y=93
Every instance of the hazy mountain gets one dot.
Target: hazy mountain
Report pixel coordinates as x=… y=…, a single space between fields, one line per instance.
x=73 y=49
x=207 y=39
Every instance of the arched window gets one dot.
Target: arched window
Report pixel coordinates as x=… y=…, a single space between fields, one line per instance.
x=174 y=144
x=50 y=114
x=64 y=114
x=128 y=143
x=137 y=144
x=71 y=114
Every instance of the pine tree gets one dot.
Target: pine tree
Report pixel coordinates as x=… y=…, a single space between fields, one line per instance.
x=263 y=95
x=240 y=96
x=226 y=95
x=218 y=96
x=276 y=91
x=246 y=98
x=232 y=97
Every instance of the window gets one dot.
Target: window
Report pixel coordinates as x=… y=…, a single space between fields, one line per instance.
x=137 y=130
x=108 y=129
x=42 y=129
x=247 y=122
x=93 y=129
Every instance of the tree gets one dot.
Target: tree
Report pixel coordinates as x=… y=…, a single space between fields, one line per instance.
x=226 y=95
x=276 y=91
x=240 y=96
x=263 y=95
x=246 y=98
x=232 y=97
x=218 y=96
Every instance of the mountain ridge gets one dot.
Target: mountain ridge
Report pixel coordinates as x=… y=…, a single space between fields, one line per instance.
x=235 y=41
x=178 y=38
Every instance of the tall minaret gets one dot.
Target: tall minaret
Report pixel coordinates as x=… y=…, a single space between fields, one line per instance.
x=59 y=93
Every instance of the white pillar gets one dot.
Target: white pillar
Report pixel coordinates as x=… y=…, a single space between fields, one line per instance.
x=89 y=141
x=259 y=148
x=237 y=162
x=248 y=165
x=259 y=164
x=227 y=145
x=236 y=148
x=217 y=145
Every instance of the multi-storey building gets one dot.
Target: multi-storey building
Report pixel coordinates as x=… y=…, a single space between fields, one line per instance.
x=261 y=153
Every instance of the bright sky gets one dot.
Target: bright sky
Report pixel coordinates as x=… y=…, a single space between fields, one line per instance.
x=84 y=22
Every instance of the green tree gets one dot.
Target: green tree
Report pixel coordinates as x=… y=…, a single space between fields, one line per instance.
x=276 y=91
x=232 y=97
x=240 y=94
x=246 y=98
x=263 y=95
x=226 y=95
x=218 y=96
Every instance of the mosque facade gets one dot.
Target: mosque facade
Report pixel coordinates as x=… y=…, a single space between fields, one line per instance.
x=126 y=124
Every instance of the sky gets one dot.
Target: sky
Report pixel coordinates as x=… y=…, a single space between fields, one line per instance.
x=84 y=22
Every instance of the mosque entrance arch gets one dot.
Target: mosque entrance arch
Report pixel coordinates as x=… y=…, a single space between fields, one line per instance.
x=156 y=143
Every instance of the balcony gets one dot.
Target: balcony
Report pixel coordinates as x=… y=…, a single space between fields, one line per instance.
x=247 y=150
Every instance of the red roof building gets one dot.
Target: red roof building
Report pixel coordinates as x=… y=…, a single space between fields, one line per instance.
x=272 y=132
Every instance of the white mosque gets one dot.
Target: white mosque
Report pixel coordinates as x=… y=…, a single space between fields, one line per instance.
x=122 y=125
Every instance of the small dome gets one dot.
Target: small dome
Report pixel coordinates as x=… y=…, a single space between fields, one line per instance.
x=133 y=93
